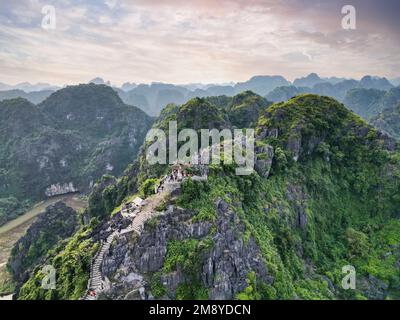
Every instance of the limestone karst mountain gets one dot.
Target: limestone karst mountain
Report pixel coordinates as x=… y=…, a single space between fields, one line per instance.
x=368 y=103
x=309 y=81
x=35 y=96
x=388 y=121
x=152 y=98
x=325 y=194
x=64 y=144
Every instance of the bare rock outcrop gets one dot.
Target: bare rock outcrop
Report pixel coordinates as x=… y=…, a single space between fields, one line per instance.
x=223 y=268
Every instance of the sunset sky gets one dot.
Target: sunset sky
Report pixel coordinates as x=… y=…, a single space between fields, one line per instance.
x=186 y=41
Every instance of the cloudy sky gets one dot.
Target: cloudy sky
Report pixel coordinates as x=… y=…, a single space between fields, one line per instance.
x=186 y=41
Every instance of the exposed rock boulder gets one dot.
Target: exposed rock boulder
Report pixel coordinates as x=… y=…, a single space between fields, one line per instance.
x=294 y=142
x=297 y=197
x=231 y=259
x=389 y=143
x=264 y=157
x=373 y=288
x=265 y=133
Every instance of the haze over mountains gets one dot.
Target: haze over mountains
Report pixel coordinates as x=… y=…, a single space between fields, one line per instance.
x=388 y=121
x=28 y=87
x=151 y=98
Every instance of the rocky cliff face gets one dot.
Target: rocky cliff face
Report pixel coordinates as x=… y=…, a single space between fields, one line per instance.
x=133 y=264
x=264 y=157
x=58 y=189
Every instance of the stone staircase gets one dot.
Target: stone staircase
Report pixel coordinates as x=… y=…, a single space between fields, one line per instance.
x=95 y=282
x=137 y=223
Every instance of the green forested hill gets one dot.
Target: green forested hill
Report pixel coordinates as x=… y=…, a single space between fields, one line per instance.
x=64 y=144
x=368 y=103
x=34 y=97
x=329 y=199
x=240 y=111
x=365 y=102
x=389 y=121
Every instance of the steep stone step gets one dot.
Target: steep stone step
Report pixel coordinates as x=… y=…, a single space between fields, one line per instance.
x=141 y=216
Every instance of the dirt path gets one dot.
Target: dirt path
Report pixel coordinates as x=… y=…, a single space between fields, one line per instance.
x=153 y=202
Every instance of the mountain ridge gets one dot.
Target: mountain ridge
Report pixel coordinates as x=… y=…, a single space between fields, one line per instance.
x=312 y=209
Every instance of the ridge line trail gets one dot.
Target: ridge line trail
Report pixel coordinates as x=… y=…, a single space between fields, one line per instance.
x=152 y=202
x=147 y=211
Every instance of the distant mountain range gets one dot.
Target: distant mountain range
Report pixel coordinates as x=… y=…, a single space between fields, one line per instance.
x=368 y=103
x=395 y=82
x=28 y=87
x=34 y=96
x=151 y=98
x=335 y=89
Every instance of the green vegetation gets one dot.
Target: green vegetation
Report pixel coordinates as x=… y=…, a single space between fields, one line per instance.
x=336 y=186
x=252 y=291
x=331 y=199
x=74 y=136
x=156 y=286
x=147 y=188
x=72 y=262
x=389 y=121
x=245 y=108
x=192 y=198
x=365 y=102
x=187 y=256
x=57 y=223
x=369 y=103
x=11 y=208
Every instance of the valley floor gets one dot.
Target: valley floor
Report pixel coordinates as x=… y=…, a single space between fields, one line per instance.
x=71 y=200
